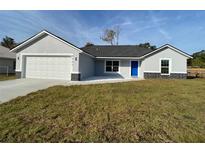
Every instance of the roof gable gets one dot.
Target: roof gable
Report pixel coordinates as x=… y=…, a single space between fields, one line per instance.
x=40 y=34
x=171 y=47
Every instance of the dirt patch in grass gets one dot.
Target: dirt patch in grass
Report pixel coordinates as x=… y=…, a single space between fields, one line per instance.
x=141 y=111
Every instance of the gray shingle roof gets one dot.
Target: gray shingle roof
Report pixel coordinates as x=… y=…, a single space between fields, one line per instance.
x=4 y=53
x=116 y=51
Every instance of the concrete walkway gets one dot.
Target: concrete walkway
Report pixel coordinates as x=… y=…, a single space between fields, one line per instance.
x=11 y=89
x=101 y=80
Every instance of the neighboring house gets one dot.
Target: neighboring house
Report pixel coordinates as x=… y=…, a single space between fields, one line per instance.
x=48 y=56
x=7 y=61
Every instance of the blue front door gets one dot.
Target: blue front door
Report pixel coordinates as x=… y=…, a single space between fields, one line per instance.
x=134 y=68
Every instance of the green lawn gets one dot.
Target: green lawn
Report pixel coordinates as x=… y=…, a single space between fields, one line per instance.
x=139 y=111
x=5 y=77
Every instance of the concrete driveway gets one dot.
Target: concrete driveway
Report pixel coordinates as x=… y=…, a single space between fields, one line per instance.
x=13 y=88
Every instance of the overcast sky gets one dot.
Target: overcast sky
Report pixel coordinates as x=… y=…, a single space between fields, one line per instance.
x=183 y=29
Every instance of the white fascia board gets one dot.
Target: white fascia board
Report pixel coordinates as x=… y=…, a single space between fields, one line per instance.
x=175 y=49
x=117 y=58
x=29 y=40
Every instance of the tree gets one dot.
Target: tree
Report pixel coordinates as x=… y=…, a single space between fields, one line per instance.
x=8 y=42
x=198 y=59
x=88 y=44
x=147 y=45
x=109 y=36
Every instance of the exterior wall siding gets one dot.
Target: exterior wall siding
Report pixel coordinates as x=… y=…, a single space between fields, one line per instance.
x=151 y=64
x=18 y=61
x=47 y=44
x=100 y=69
x=9 y=63
x=87 y=66
x=124 y=69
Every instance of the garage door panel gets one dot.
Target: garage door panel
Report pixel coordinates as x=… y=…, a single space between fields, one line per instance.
x=48 y=67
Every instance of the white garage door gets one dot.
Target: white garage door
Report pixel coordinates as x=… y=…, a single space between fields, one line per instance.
x=48 y=67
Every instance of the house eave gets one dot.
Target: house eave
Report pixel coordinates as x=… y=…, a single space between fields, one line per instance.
x=118 y=58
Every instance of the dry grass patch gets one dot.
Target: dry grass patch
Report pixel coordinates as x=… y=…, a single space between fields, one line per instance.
x=5 y=77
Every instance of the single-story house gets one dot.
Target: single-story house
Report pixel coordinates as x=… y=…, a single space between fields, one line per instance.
x=7 y=61
x=48 y=56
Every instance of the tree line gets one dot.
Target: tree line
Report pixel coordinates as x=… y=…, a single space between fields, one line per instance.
x=198 y=59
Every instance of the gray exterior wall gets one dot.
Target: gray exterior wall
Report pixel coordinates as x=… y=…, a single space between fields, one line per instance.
x=86 y=66
x=151 y=64
x=48 y=44
x=99 y=67
x=124 y=69
x=9 y=63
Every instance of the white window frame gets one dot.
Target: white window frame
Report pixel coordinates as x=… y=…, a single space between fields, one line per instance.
x=170 y=65
x=111 y=71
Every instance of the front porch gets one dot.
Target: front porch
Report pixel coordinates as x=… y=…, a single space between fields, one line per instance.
x=117 y=68
x=103 y=79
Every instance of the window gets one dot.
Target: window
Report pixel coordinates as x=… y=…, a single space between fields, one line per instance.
x=165 y=66
x=112 y=66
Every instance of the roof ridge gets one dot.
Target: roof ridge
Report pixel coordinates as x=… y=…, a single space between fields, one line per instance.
x=112 y=46
x=116 y=45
